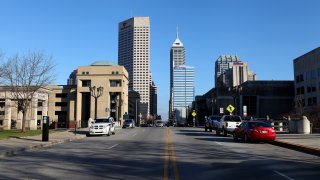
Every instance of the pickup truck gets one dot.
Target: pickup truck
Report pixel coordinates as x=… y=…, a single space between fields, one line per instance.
x=212 y=122
x=227 y=124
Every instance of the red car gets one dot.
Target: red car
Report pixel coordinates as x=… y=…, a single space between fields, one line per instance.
x=254 y=131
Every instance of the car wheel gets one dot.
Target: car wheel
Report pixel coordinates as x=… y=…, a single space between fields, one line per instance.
x=205 y=129
x=114 y=132
x=108 y=132
x=210 y=129
x=235 y=137
x=224 y=133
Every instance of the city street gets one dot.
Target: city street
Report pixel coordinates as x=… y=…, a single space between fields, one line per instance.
x=161 y=153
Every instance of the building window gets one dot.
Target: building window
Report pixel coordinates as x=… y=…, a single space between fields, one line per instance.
x=61 y=95
x=115 y=83
x=1 y=113
x=40 y=103
x=301 y=78
x=61 y=104
x=39 y=113
x=302 y=90
x=86 y=83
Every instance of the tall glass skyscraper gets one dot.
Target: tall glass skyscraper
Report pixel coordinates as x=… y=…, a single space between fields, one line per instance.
x=177 y=58
x=182 y=90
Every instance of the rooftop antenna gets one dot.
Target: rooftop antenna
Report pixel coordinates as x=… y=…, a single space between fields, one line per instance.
x=177 y=31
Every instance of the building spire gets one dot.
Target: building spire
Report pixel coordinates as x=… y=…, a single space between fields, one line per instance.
x=177 y=31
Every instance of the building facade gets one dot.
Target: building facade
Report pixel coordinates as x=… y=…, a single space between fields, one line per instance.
x=183 y=91
x=134 y=106
x=153 y=100
x=177 y=58
x=11 y=118
x=222 y=65
x=134 y=55
x=307 y=85
x=72 y=105
x=114 y=100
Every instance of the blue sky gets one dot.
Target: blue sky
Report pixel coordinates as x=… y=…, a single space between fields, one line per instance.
x=267 y=34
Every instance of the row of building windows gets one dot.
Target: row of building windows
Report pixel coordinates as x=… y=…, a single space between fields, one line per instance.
x=113 y=83
x=312 y=101
x=310 y=89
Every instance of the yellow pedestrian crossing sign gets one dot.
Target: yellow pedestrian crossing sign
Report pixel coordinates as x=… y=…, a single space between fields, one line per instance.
x=230 y=108
x=194 y=114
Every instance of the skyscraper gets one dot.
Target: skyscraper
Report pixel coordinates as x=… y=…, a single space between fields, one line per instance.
x=222 y=64
x=177 y=58
x=231 y=72
x=182 y=90
x=134 y=55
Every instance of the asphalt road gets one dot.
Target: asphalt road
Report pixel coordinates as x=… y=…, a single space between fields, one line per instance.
x=161 y=153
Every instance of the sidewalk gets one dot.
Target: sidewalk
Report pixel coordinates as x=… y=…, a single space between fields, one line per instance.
x=11 y=146
x=307 y=143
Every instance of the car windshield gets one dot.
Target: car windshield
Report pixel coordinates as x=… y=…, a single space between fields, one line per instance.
x=104 y=120
x=128 y=121
x=259 y=124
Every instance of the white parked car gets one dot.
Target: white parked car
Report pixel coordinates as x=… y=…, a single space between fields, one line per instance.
x=102 y=125
x=159 y=123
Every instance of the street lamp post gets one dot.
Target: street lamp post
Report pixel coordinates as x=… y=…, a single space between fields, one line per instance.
x=96 y=93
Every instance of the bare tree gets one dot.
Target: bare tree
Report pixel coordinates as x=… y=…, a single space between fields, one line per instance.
x=25 y=75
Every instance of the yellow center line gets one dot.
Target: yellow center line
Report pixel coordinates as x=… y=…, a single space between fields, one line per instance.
x=169 y=146
x=174 y=160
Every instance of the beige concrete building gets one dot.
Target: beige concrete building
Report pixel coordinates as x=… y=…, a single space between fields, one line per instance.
x=11 y=118
x=114 y=99
x=72 y=104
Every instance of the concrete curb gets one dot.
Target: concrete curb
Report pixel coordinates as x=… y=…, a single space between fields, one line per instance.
x=12 y=152
x=305 y=149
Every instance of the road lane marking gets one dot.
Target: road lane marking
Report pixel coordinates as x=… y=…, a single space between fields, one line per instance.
x=283 y=175
x=169 y=153
x=113 y=146
x=166 y=158
x=218 y=143
x=174 y=160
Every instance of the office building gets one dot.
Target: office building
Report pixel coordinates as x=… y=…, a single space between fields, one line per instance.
x=231 y=72
x=153 y=100
x=307 y=85
x=222 y=65
x=134 y=55
x=182 y=91
x=177 y=58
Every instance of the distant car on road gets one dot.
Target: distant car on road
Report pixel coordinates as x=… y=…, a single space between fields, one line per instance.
x=227 y=124
x=212 y=123
x=128 y=123
x=102 y=125
x=159 y=123
x=254 y=131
